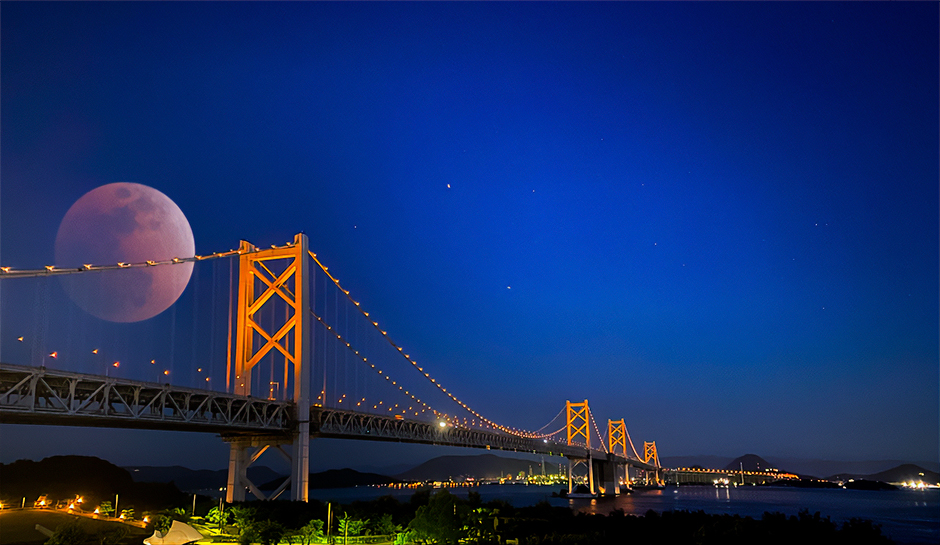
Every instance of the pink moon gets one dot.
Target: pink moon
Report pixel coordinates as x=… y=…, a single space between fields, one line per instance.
x=130 y=223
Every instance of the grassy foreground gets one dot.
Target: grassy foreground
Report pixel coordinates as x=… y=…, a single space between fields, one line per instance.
x=18 y=526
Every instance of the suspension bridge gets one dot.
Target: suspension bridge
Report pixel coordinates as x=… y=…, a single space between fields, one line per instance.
x=302 y=360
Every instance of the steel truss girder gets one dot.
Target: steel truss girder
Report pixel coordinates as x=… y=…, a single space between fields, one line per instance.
x=31 y=395
x=333 y=423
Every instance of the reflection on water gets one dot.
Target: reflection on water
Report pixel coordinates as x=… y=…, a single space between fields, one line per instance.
x=908 y=516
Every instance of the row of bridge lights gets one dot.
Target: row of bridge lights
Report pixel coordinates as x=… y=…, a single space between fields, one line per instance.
x=123 y=264
x=117 y=364
x=378 y=371
x=489 y=423
x=392 y=408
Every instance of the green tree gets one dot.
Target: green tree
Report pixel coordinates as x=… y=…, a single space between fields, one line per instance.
x=403 y=538
x=349 y=526
x=269 y=532
x=105 y=508
x=127 y=514
x=163 y=520
x=247 y=534
x=481 y=525
x=219 y=516
x=384 y=526
x=162 y=523
x=437 y=522
x=243 y=516
x=311 y=531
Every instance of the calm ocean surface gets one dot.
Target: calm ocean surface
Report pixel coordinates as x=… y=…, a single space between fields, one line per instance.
x=907 y=516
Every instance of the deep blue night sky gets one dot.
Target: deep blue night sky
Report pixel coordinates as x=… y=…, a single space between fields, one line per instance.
x=718 y=221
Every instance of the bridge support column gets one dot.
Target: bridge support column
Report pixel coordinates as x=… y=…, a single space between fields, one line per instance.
x=237 y=472
x=572 y=462
x=590 y=464
x=570 y=479
x=300 y=463
x=608 y=484
x=274 y=286
x=244 y=451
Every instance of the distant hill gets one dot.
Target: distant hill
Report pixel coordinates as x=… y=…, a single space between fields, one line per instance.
x=96 y=480
x=482 y=466
x=750 y=462
x=336 y=478
x=900 y=474
x=690 y=461
x=802 y=466
x=340 y=478
x=195 y=480
x=820 y=468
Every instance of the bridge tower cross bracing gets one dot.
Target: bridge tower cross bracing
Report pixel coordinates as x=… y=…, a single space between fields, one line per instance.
x=617 y=436
x=259 y=285
x=651 y=456
x=578 y=416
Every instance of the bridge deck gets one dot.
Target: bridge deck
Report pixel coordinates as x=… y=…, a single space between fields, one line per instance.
x=31 y=395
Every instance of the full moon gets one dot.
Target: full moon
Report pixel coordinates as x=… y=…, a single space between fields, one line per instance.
x=130 y=223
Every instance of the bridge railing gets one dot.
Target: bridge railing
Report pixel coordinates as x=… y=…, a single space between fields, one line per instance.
x=39 y=395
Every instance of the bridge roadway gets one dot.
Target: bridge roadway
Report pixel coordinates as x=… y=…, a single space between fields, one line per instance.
x=37 y=395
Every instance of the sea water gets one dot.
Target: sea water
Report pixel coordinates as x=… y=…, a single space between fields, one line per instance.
x=907 y=516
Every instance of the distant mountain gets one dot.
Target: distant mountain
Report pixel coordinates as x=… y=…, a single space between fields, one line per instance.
x=336 y=478
x=341 y=478
x=96 y=480
x=820 y=468
x=381 y=470
x=195 y=480
x=900 y=474
x=482 y=466
x=701 y=461
x=750 y=462
x=904 y=473
x=801 y=466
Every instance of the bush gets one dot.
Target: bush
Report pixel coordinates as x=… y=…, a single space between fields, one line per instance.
x=269 y=532
x=311 y=531
x=69 y=533
x=112 y=536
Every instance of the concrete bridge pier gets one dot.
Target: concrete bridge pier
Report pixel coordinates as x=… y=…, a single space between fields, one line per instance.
x=244 y=450
x=572 y=462
x=605 y=470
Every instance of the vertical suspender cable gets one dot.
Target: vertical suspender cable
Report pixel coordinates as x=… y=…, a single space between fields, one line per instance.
x=323 y=344
x=194 y=361
x=335 y=347
x=172 y=338
x=228 y=342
